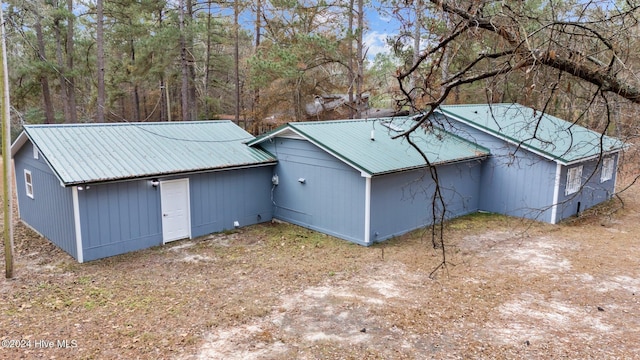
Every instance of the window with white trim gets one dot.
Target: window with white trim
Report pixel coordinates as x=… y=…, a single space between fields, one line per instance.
x=574 y=180
x=28 y=183
x=607 y=169
x=36 y=153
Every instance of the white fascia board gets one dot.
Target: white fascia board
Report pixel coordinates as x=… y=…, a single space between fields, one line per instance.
x=367 y=210
x=19 y=143
x=597 y=156
x=76 y=221
x=556 y=194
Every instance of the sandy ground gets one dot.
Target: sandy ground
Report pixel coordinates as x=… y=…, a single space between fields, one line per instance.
x=511 y=289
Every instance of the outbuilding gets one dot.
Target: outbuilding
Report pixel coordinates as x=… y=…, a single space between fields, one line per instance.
x=97 y=190
x=541 y=167
x=356 y=180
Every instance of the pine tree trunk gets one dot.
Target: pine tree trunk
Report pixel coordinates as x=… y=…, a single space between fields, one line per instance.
x=71 y=89
x=191 y=66
x=351 y=55
x=100 y=61
x=184 y=88
x=49 y=114
x=236 y=58
x=61 y=66
x=136 y=96
x=360 y=59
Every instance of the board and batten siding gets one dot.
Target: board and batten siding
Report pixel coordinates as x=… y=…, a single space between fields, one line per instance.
x=594 y=191
x=316 y=190
x=402 y=202
x=122 y=217
x=518 y=183
x=514 y=181
x=218 y=199
x=50 y=211
x=119 y=217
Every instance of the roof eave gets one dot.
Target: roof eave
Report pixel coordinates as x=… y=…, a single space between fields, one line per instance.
x=440 y=163
x=19 y=143
x=268 y=136
x=167 y=174
x=587 y=158
x=520 y=144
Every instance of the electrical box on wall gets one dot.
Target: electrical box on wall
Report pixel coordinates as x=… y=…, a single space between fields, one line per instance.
x=275 y=180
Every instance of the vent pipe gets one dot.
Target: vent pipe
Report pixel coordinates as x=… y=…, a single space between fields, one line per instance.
x=373 y=135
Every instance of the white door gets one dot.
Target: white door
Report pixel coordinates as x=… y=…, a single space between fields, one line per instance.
x=174 y=201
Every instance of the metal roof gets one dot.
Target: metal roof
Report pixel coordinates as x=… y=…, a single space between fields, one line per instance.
x=547 y=135
x=89 y=153
x=350 y=141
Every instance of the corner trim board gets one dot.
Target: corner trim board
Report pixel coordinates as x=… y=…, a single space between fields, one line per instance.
x=556 y=194
x=76 y=221
x=367 y=209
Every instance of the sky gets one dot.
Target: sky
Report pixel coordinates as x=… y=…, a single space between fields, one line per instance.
x=380 y=27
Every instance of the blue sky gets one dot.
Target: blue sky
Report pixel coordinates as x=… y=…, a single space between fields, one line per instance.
x=380 y=27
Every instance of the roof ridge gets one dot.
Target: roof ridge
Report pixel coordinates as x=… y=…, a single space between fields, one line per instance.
x=116 y=124
x=326 y=122
x=486 y=105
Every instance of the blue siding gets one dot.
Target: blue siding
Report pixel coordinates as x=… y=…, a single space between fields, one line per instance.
x=520 y=185
x=332 y=198
x=514 y=181
x=50 y=212
x=120 y=217
x=220 y=198
x=593 y=190
x=402 y=202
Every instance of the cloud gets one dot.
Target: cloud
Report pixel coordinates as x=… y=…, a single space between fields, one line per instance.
x=376 y=43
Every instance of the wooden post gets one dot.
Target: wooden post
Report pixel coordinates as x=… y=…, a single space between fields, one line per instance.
x=6 y=157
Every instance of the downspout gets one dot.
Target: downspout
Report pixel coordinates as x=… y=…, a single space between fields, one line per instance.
x=556 y=194
x=367 y=208
x=76 y=221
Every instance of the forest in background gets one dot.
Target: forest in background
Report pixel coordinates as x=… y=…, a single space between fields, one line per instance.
x=265 y=61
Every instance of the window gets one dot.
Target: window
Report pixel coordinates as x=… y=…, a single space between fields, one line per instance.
x=28 y=183
x=36 y=153
x=607 y=169
x=574 y=180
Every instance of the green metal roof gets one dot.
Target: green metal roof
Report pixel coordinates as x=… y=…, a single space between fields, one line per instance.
x=350 y=141
x=541 y=133
x=86 y=153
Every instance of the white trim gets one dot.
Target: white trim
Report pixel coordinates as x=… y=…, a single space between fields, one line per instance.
x=593 y=157
x=187 y=210
x=574 y=180
x=367 y=210
x=606 y=169
x=76 y=221
x=556 y=194
x=28 y=184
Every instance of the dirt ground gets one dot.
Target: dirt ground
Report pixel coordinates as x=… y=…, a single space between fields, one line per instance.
x=512 y=289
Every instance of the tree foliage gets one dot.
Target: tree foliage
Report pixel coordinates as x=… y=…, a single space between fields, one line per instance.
x=574 y=59
x=532 y=52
